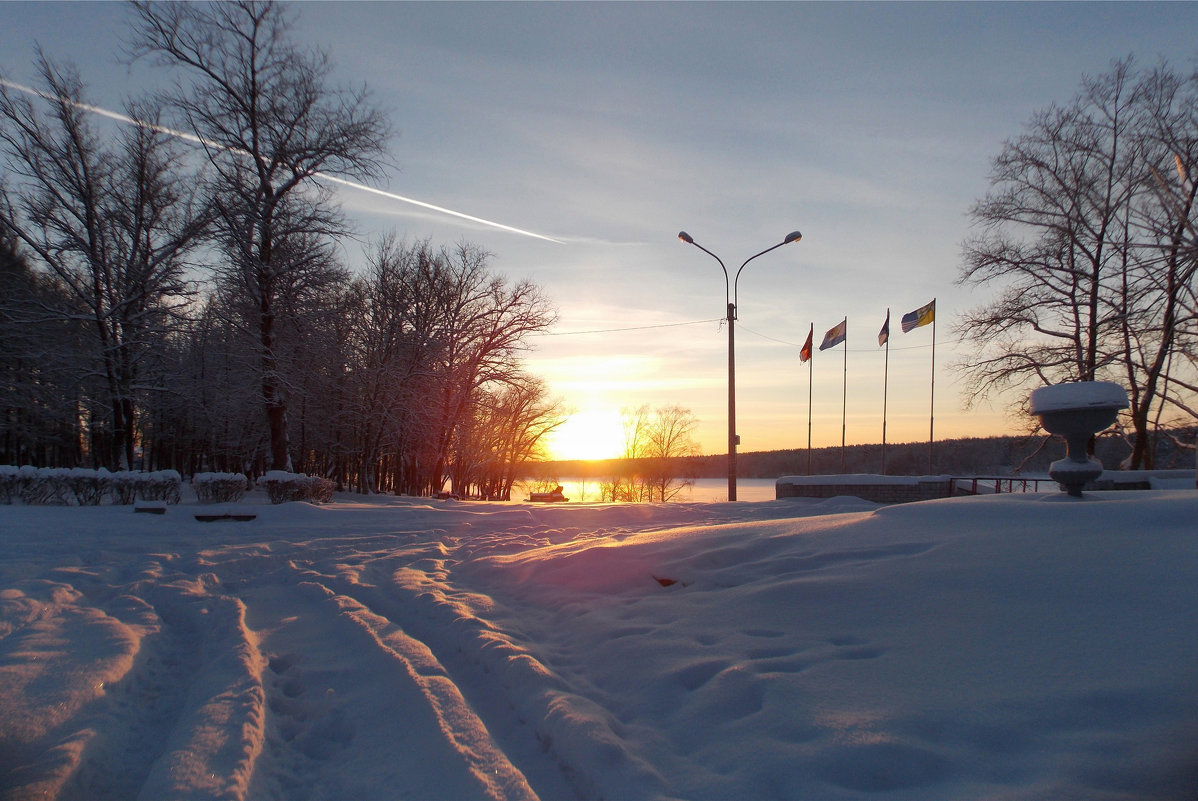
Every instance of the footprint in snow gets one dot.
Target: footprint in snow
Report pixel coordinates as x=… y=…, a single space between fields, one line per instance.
x=316 y=728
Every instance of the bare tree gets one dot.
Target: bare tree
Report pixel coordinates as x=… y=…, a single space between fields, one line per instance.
x=507 y=430
x=270 y=124
x=390 y=362
x=655 y=441
x=482 y=323
x=1160 y=332
x=1090 y=265
x=1048 y=229
x=112 y=223
x=410 y=368
x=432 y=381
x=213 y=388
x=670 y=439
x=630 y=485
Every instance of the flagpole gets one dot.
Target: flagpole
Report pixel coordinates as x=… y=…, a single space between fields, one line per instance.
x=810 y=384
x=885 y=380
x=844 y=396
x=932 y=400
x=917 y=319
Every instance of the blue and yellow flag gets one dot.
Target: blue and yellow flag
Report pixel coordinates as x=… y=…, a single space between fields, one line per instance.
x=835 y=335
x=921 y=316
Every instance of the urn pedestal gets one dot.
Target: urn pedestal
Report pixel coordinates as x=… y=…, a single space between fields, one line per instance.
x=1076 y=412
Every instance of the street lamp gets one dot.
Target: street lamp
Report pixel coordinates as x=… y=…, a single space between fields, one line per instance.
x=730 y=297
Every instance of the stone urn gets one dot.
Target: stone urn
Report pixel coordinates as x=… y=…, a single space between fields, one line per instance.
x=1076 y=412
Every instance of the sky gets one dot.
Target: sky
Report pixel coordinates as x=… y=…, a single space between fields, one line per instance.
x=607 y=128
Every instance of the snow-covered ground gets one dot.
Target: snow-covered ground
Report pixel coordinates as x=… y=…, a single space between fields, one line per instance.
x=1004 y=647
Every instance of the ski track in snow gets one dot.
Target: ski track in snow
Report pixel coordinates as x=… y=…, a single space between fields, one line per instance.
x=242 y=670
x=433 y=651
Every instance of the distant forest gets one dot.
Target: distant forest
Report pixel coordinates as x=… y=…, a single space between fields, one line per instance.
x=980 y=456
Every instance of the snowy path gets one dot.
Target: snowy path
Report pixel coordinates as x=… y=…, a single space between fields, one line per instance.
x=470 y=651
x=169 y=657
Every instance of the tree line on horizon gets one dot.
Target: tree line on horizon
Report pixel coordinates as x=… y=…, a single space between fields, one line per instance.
x=184 y=307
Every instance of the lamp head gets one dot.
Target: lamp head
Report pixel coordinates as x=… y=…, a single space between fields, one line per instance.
x=685 y=237
x=793 y=236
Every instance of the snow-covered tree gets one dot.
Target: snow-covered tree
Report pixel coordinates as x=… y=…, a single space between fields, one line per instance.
x=435 y=350
x=39 y=400
x=482 y=324
x=110 y=216
x=506 y=428
x=270 y=123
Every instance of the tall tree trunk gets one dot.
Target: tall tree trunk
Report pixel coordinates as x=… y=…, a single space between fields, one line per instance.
x=272 y=394
x=272 y=398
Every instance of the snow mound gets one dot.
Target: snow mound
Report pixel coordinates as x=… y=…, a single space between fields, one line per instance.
x=1079 y=395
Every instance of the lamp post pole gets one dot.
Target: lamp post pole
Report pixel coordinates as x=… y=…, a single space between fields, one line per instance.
x=730 y=299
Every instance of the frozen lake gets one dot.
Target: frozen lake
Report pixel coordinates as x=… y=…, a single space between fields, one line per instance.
x=705 y=490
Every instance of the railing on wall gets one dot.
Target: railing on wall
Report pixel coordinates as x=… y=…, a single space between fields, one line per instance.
x=994 y=485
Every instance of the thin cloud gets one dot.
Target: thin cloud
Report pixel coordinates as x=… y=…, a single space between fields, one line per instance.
x=124 y=118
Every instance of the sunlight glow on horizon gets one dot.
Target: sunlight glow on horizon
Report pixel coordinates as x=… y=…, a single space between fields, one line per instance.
x=588 y=434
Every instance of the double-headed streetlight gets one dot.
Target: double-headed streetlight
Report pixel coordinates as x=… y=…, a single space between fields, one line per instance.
x=730 y=297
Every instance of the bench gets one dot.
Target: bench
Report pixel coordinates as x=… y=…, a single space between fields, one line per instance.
x=548 y=497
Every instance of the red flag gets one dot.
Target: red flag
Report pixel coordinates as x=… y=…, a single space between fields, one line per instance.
x=805 y=353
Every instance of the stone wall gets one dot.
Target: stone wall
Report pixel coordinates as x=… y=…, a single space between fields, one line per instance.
x=883 y=492
x=904 y=489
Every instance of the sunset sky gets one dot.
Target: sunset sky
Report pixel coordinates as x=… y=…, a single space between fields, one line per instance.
x=608 y=128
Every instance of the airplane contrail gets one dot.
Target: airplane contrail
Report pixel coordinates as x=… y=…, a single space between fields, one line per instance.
x=114 y=115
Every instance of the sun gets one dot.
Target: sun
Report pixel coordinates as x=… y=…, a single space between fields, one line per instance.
x=588 y=434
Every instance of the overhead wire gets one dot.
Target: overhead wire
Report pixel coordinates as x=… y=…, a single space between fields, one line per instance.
x=702 y=322
x=631 y=328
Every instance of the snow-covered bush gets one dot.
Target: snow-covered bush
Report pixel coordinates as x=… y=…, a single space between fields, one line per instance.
x=42 y=486
x=124 y=485
x=218 y=487
x=161 y=485
x=127 y=486
x=282 y=487
x=10 y=482
x=88 y=486
x=320 y=489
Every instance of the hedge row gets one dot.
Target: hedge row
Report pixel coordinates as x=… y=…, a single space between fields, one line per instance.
x=219 y=487
x=39 y=486
x=281 y=487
